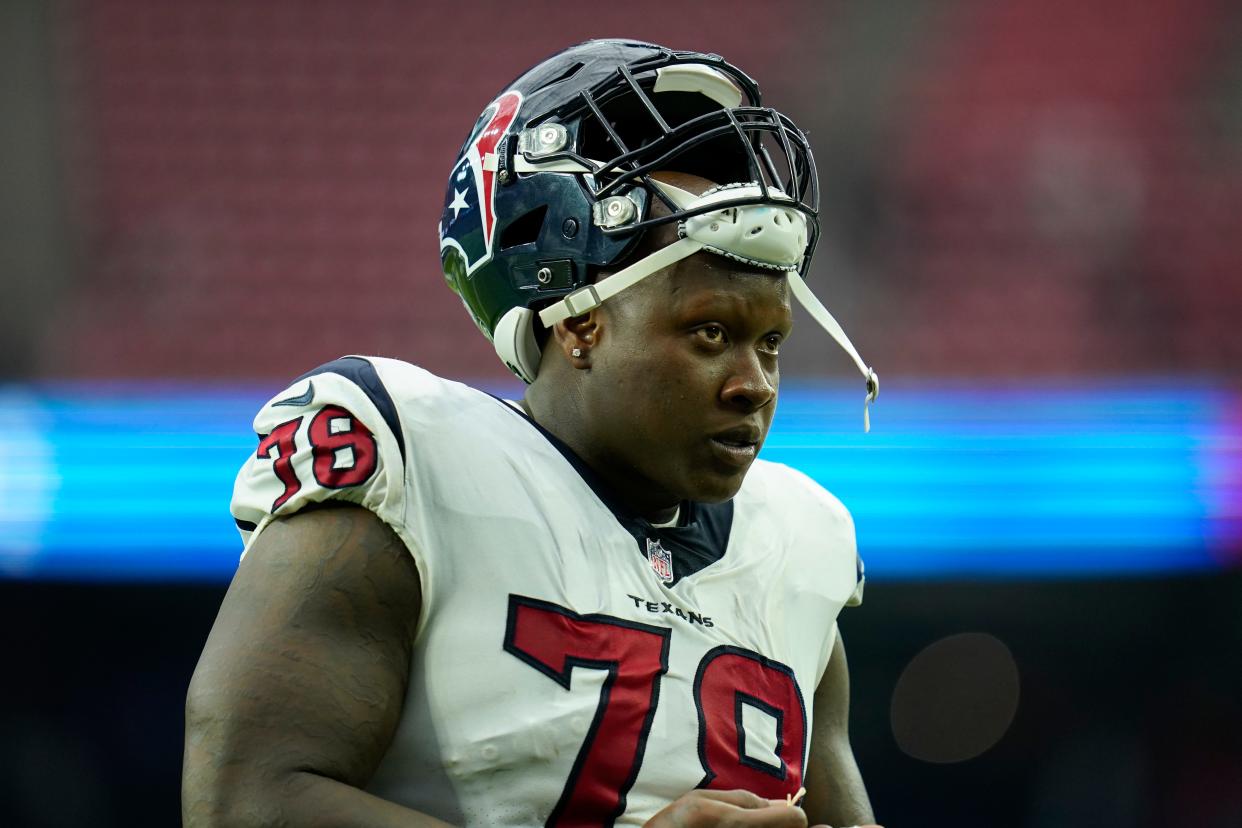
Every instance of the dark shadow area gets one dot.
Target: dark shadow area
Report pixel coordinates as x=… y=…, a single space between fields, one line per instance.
x=1127 y=714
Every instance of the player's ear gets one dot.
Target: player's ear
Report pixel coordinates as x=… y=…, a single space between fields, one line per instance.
x=576 y=336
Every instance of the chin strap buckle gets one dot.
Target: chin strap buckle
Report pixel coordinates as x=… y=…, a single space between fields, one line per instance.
x=582 y=300
x=873 y=391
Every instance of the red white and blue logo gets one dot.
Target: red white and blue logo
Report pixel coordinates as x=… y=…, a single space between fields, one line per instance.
x=661 y=560
x=468 y=223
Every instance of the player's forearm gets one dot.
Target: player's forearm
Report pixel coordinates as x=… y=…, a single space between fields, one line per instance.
x=836 y=794
x=301 y=799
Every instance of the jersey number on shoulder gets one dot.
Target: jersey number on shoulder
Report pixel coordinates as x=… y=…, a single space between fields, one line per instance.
x=554 y=640
x=344 y=451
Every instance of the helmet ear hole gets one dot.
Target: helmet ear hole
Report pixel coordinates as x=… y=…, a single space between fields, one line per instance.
x=525 y=229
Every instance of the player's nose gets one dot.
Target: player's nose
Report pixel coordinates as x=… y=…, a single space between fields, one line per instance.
x=750 y=384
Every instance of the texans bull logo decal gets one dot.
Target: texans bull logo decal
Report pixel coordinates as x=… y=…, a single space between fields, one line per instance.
x=469 y=219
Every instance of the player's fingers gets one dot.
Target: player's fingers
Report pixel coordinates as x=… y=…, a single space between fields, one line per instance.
x=737 y=798
x=769 y=816
x=728 y=809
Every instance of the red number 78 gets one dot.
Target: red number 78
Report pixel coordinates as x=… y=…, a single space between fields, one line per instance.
x=554 y=640
x=344 y=451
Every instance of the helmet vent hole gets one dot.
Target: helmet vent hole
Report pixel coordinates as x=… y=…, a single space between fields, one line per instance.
x=566 y=75
x=754 y=231
x=525 y=229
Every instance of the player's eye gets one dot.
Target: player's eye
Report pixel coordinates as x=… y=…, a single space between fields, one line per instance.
x=712 y=333
x=772 y=343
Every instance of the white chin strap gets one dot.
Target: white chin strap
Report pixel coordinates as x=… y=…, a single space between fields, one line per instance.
x=764 y=235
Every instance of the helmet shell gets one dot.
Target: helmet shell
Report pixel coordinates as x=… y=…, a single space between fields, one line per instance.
x=493 y=265
x=521 y=226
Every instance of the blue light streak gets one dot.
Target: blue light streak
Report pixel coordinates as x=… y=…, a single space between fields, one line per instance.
x=133 y=482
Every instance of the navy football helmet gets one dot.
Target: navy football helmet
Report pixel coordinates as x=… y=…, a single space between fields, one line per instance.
x=554 y=184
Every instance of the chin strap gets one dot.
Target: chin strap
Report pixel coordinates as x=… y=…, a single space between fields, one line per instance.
x=826 y=321
x=591 y=297
x=588 y=298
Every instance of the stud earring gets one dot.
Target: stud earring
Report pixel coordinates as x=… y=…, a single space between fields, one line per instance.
x=577 y=352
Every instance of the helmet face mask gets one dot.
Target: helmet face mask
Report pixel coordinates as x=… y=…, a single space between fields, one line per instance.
x=625 y=109
x=555 y=182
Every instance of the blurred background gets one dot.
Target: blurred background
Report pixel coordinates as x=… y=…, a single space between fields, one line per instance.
x=1031 y=230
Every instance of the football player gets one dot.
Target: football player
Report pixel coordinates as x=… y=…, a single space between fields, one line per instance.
x=592 y=606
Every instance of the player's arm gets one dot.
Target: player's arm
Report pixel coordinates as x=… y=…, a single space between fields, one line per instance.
x=300 y=686
x=835 y=791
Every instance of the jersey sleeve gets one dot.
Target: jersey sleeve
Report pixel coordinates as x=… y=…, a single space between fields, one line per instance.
x=830 y=536
x=332 y=435
x=839 y=539
x=856 y=598
x=836 y=542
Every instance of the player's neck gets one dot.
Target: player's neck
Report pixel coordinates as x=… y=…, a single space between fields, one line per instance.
x=637 y=495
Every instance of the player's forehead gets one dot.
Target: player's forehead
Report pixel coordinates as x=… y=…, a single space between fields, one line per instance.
x=706 y=282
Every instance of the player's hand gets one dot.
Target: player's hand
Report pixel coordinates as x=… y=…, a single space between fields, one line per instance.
x=728 y=809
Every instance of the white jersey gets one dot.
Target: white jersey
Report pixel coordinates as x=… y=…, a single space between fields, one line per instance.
x=573 y=665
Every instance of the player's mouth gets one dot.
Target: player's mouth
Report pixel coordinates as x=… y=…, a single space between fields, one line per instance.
x=737 y=446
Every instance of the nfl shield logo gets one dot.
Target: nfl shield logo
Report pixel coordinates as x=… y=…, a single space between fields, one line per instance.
x=661 y=560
